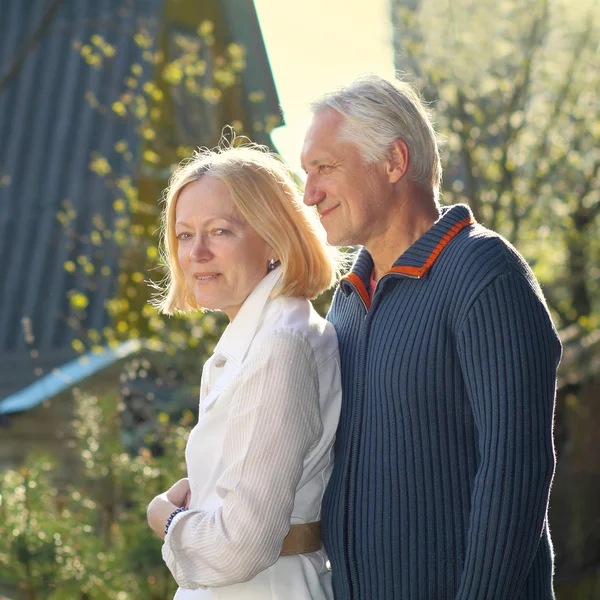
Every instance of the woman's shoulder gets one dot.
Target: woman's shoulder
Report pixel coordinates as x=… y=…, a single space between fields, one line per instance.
x=296 y=319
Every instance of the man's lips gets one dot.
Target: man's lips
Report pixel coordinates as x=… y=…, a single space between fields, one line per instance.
x=327 y=211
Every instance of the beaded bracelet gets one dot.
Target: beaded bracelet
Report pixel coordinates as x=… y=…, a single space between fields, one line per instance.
x=172 y=516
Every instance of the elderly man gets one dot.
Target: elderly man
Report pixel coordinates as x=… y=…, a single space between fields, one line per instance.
x=444 y=451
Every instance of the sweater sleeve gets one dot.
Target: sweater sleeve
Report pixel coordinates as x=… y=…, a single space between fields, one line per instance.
x=509 y=352
x=273 y=421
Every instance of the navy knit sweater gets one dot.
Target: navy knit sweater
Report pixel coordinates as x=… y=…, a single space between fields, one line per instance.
x=444 y=452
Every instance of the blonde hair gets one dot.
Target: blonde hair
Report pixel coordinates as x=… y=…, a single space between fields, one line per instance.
x=266 y=196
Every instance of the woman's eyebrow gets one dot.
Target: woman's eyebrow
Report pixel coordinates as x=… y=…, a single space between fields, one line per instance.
x=231 y=218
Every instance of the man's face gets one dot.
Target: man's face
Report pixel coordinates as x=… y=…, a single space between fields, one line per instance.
x=352 y=197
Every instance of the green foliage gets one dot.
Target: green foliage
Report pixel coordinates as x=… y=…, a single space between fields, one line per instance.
x=66 y=535
x=515 y=91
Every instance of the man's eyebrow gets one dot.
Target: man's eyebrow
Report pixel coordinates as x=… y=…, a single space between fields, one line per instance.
x=316 y=161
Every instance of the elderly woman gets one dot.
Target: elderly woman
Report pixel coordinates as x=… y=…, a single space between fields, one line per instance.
x=245 y=523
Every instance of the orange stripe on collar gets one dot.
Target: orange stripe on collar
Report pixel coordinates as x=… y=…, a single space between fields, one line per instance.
x=356 y=281
x=417 y=272
x=420 y=271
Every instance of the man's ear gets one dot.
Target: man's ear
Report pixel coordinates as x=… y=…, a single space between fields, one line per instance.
x=397 y=163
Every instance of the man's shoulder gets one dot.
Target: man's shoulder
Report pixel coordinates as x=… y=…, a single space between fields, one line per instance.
x=482 y=257
x=480 y=253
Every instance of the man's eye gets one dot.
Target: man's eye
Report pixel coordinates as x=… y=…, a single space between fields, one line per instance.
x=324 y=168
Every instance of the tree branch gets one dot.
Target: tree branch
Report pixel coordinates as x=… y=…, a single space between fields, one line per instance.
x=563 y=95
x=520 y=98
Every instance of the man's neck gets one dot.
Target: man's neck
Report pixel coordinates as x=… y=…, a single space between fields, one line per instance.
x=414 y=217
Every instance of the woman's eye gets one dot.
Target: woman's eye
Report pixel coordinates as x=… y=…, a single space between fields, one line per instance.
x=183 y=236
x=221 y=231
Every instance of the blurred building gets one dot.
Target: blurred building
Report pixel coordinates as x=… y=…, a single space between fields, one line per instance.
x=68 y=69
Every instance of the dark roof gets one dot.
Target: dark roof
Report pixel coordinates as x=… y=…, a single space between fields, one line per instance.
x=48 y=133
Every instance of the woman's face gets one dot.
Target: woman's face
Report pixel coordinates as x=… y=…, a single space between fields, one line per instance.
x=221 y=256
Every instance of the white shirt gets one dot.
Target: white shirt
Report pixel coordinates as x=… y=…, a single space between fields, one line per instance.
x=260 y=456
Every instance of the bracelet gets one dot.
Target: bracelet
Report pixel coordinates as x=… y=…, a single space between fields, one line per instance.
x=172 y=516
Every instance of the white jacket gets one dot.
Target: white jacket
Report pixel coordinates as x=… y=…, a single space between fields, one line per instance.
x=260 y=456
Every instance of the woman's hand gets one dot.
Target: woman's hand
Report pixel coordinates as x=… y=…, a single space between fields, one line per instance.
x=179 y=493
x=164 y=504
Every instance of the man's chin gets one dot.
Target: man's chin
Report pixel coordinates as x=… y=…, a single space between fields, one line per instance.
x=337 y=239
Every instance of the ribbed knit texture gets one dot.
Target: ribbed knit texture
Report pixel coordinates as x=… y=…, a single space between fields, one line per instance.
x=444 y=452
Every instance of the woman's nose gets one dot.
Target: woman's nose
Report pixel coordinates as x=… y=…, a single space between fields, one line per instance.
x=200 y=251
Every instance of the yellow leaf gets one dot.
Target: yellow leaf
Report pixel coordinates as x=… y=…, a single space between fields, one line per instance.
x=235 y=50
x=173 y=73
x=100 y=166
x=211 y=95
x=151 y=156
x=148 y=310
x=119 y=206
x=78 y=346
x=119 y=108
x=206 y=28
x=142 y=39
x=79 y=300
x=109 y=50
x=256 y=97
x=149 y=134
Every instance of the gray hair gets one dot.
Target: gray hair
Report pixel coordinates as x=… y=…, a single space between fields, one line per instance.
x=376 y=113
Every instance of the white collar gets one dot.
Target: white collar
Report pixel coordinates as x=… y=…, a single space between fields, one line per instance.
x=236 y=339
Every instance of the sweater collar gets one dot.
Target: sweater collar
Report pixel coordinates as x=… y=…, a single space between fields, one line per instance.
x=416 y=261
x=238 y=336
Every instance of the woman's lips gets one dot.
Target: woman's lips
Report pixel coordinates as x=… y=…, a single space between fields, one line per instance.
x=205 y=277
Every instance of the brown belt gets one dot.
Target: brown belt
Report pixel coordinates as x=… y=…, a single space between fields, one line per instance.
x=302 y=538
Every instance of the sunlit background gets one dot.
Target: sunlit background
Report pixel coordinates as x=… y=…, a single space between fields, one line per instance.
x=101 y=99
x=317 y=45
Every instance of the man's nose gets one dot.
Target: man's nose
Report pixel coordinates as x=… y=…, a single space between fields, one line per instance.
x=200 y=252
x=313 y=194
